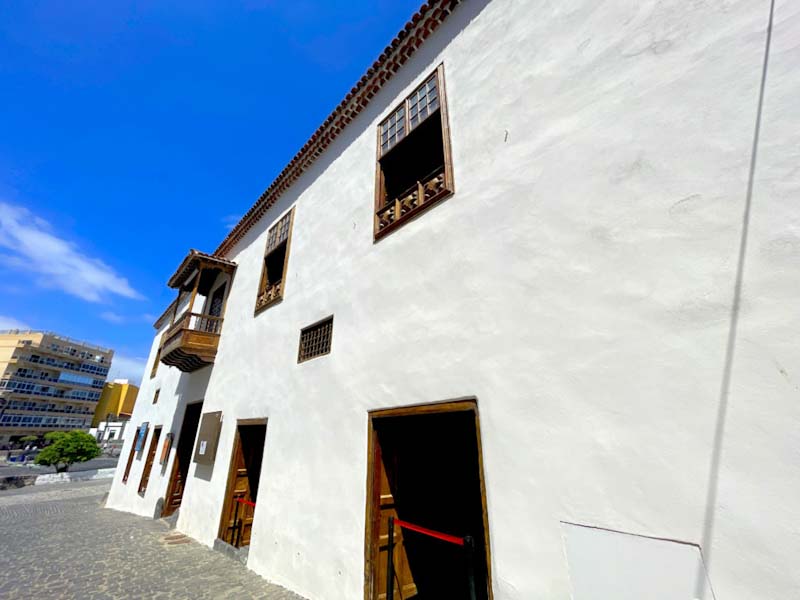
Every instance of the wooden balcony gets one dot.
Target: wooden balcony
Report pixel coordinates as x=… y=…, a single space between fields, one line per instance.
x=191 y=342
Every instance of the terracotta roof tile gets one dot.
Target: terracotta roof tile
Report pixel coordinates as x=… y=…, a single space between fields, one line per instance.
x=189 y=263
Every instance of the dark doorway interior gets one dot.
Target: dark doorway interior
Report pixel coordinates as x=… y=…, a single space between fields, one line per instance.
x=242 y=493
x=183 y=457
x=430 y=464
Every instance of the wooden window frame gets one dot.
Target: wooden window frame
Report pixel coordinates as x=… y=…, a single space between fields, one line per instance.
x=448 y=187
x=154 y=368
x=300 y=357
x=465 y=404
x=263 y=303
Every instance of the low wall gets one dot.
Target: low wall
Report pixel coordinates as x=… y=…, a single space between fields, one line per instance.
x=77 y=476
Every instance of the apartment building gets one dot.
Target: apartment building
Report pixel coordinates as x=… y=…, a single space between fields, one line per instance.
x=48 y=382
x=518 y=321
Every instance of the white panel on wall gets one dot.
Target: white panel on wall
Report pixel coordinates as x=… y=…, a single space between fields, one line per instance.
x=611 y=565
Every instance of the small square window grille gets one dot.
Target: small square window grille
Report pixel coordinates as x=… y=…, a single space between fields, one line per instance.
x=315 y=340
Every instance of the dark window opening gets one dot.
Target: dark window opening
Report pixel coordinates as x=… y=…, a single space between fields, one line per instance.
x=414 y=170
x=417 y=158
x=273 y=265
x=273 y=272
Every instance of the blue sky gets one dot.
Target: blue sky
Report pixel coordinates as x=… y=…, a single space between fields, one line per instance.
x=133 y=131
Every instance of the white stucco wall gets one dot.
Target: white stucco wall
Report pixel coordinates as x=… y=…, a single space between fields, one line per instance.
x=579 y=284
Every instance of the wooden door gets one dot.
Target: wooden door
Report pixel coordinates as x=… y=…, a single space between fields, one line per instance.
x=177 y=483
x=239 y=509
x=425 y=467
x=183 y=457
x=148 y=465
x=217 y=301
x=386 y=467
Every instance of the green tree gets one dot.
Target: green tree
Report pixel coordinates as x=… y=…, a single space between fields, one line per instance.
x=29 y=438
x=67 y=448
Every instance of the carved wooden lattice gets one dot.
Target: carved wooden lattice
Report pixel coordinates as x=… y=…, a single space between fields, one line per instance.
x=315 y=340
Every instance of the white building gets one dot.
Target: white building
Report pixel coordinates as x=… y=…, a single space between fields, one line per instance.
x=580 y=348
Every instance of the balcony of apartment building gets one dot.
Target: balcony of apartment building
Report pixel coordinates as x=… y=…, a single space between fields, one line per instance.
x=38 y=407
x=19 y=387
x=203 y=281
x=35 y=360
x=59 y=345
x=67 y=380
x=10 y=422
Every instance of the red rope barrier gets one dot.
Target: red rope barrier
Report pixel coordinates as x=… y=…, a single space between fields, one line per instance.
x=435 y=534
x=243 y=501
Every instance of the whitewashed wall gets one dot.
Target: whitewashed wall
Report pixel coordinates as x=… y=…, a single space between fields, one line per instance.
x=579 y=284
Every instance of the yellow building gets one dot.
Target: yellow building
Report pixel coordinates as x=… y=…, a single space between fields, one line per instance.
x=117 y=400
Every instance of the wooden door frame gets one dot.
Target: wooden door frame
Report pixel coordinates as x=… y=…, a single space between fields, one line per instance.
x=226 y=501
x=465 y=404
x=176 y=445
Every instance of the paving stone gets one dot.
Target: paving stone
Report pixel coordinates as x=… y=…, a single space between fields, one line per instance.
x=58 y=542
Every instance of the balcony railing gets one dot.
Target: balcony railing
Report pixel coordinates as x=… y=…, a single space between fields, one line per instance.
x=422 y=194
x=62 y=365
x=191 y=342
x=270 y=294
x=64 y=382
x=6 y=390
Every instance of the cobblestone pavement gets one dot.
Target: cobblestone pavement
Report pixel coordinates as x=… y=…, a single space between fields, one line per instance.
x=56 y=541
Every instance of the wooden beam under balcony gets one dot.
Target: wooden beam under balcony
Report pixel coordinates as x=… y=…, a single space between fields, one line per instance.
x=191 y=342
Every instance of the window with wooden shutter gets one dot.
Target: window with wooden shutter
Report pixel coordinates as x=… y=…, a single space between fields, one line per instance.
x=414 y=168
x=276 y=258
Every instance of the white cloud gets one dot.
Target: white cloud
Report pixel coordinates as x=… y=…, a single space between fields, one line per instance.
x=56 y=262
x=127 y=367
x=112 y=317
x=12 y=323
x=230 y=221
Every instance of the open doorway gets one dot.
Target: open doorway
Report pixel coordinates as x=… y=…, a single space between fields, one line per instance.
x=425 y=468
x=242 y=492
x=183 y=457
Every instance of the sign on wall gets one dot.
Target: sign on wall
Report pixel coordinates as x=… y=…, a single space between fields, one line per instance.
x=142 y=436
x=207 y=438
